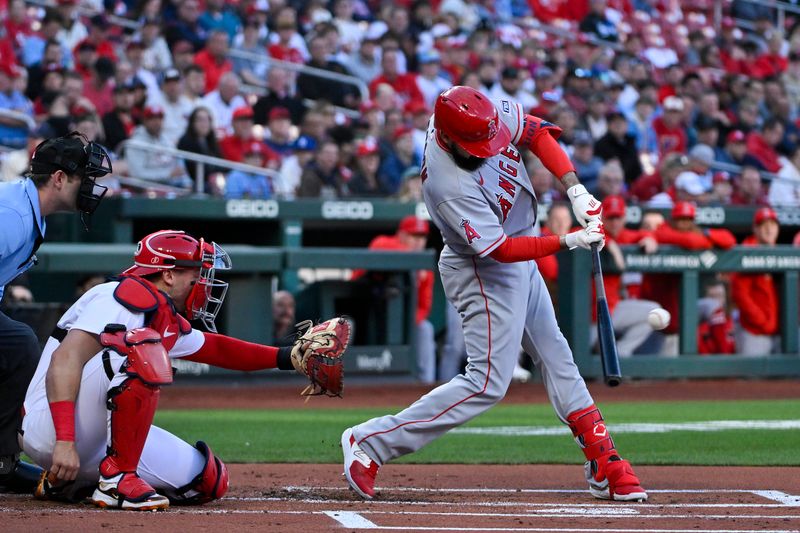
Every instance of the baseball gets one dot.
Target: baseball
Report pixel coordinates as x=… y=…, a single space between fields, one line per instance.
x=658 y=318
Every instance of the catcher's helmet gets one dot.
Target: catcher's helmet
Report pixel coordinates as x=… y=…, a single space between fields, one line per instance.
x=169 y=249
x=471 y=120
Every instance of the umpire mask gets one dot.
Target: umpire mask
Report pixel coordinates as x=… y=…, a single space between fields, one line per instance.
x=75 y=155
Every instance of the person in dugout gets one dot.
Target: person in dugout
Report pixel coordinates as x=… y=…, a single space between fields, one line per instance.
x=756 y=295
x=683 y=232
x=715 y=330
x=628 y=315
x=412 y=236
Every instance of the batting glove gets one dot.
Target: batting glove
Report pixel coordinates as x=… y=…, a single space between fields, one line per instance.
x=585 y=206
x=593 y=233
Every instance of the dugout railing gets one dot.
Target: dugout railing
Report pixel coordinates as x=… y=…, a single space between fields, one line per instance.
x=783 y=262
x=384 y=328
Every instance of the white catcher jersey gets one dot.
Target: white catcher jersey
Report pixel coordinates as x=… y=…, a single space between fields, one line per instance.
x=91 y=313
x=475 y=211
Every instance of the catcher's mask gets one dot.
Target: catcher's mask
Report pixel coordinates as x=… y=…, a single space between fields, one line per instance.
x=169 y=249
x=76 y=156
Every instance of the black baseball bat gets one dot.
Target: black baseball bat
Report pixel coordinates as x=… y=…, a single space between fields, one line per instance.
x=605 y=330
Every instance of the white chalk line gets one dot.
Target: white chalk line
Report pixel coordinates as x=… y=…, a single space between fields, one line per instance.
x=775 y=495
x=207 y=511
x=658 y=427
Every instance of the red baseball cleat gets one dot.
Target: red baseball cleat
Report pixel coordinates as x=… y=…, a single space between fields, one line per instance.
x=619 y=482
x=359 y=468
x=126 y=490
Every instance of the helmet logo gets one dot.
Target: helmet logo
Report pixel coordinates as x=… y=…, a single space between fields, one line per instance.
x=154 y=260
x=492 y=128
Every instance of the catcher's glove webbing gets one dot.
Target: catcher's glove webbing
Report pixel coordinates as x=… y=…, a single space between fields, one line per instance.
x=317 y=354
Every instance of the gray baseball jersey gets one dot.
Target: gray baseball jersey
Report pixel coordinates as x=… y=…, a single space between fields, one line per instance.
x=504 y=306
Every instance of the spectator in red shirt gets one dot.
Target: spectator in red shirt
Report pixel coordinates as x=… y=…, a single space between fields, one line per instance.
x=662 y=181
x=683 y=232
x=235 y=146
x=85 y=57
x=756 y=295
x=286 y=28
x=749 y=189
x=669 y=128
x=98 y=89
x=628 y=315
x=762 y=145
x=715 y=331
x=213 y=59
x=405 y=85
x=98 y=36
x=412 y=236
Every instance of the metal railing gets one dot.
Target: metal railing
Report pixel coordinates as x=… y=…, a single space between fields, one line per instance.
x=22 y=117
x=781 y=9
x=83 y=10
x=305 y=69
x=202 y=161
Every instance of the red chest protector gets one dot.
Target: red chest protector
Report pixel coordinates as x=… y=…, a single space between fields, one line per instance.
x=140 y=296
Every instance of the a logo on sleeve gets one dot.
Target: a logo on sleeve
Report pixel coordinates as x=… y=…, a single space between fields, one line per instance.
x=505 y=205
x=469 y=231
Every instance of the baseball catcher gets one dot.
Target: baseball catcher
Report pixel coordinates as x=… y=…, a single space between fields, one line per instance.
x=89 y=409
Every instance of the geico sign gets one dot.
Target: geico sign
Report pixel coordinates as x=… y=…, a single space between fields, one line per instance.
x=347 y=210
x=251 y=208
x=710 y=216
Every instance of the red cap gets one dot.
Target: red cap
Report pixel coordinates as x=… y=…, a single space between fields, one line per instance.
x=277 y=113
x=243 y=112
x=367 y=106
x=764 y=213
x=413 y=225
x=683 y=210
x=735 y=136
x=613 y=206
x=152 y=111
x=367 y=147
x=11 y=70
x=399 y=131
x=721 y=176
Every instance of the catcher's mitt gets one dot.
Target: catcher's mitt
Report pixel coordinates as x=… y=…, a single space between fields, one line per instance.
x=317 y=354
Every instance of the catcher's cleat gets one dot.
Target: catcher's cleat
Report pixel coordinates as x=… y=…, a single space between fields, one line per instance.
x=126 y=490
x=359 y=468
x=618 y=481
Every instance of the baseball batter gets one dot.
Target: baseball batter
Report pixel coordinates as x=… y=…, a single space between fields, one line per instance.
x=479 y=195
x=90 y=407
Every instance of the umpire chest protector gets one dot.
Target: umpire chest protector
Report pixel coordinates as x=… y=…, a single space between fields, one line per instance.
x=140 y=296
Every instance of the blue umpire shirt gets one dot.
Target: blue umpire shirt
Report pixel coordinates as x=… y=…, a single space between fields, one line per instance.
x=22 y=228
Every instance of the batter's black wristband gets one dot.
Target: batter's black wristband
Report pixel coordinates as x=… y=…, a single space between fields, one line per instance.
x=285 y=358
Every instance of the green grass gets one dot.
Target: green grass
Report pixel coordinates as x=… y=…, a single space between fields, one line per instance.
x=307 y=435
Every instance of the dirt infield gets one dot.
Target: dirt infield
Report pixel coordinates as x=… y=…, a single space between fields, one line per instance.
x=453 y=498
x=305 y=497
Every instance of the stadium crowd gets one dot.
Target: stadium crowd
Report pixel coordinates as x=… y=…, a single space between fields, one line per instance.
x=660 y=103
x=630 y=82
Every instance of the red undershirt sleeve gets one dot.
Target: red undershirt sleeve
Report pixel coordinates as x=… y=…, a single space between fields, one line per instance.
x=553 y=157
x=235 y=354
x=516 y=249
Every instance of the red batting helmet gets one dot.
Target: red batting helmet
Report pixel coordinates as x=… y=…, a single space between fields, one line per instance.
x=169 y=249
x=471 y=120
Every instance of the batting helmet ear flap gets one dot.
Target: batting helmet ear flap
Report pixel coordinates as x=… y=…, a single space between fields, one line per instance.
x=471 y=120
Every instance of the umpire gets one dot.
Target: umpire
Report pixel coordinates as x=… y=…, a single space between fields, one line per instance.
x=62 y=177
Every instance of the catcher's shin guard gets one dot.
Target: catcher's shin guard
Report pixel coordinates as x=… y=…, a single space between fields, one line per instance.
x=133 y=405
x=609 y=476
x=210 y=484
